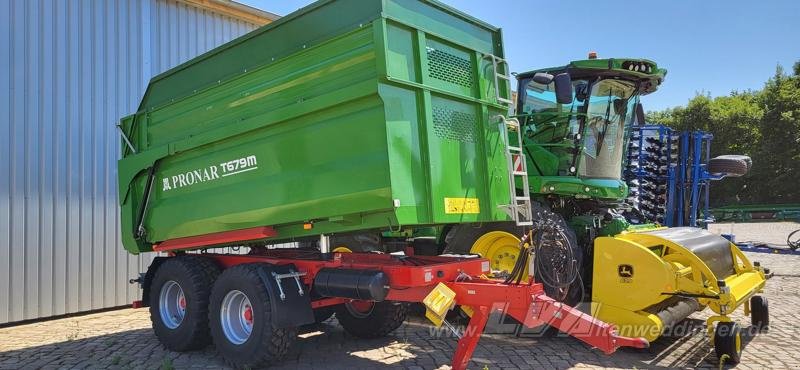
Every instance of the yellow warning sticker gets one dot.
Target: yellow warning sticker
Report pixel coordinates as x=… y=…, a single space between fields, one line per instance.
x=461 y=205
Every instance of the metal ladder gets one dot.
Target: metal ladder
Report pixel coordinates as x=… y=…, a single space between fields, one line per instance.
x=520 y=208
x=498 y=76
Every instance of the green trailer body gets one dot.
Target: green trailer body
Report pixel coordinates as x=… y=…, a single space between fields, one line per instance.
x=345 y=115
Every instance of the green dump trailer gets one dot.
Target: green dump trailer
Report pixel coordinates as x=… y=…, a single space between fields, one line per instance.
x=345 y=115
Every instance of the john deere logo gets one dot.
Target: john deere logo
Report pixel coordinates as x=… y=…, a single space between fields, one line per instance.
x=625 y=273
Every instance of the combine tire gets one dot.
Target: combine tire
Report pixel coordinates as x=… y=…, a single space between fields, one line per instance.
x=371 y=319
x=499 y=243
x=179 y=302
x=759 y=312
x=728 y=342
x=241 y=322
x=348 y=243
x=731 y=165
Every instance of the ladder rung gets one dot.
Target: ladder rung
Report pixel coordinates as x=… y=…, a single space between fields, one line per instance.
x=494 y=57
x=522 y=199
x=520 y=173
x=504 y=77
x=514 y=149
x=504 y=100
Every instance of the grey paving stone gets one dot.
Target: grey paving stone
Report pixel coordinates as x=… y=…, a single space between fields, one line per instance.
x=124 y=339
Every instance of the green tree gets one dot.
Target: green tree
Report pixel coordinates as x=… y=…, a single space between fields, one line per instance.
x=779 y=151
x=763 y=124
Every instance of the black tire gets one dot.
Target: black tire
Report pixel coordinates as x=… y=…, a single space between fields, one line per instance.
x=323 y=314
x=574 y=293
x=461 y=238
x=383 y=318
x=729 y=166
x=744 y=158
x=759 y=312
x=194 y=275
x=357 y=243
x=265 y=344
x=728 y=342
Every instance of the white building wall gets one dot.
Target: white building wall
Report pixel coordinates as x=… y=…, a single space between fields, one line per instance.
x=68 y=71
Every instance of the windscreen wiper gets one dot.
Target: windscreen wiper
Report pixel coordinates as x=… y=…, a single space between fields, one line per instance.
x=601 y=136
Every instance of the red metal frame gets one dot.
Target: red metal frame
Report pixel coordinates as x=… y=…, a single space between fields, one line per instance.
x=412 y=278
x=403 y=272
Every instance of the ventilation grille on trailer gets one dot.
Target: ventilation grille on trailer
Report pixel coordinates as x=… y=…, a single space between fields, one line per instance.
x=454 y=125
x=449 y=67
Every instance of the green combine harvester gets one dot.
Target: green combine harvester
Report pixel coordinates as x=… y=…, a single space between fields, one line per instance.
x=386 y=127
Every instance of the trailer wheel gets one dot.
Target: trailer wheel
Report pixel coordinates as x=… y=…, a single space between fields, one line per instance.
x=241 y=322
x=178 y=298
x=759 y=312
x=365 y=319
x=728 y=342
x=322 y=314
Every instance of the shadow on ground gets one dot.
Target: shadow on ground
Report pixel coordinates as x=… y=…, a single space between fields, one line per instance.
x=415 y=344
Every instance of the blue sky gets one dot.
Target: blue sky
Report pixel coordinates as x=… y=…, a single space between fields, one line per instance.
x=711 y=46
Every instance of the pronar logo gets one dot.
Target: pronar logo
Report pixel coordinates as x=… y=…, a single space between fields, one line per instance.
x=210 y=173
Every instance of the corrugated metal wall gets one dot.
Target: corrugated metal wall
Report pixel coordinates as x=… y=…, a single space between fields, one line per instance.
x=68 y=71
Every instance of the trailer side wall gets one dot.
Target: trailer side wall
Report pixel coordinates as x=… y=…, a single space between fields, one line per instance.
x=387 y=123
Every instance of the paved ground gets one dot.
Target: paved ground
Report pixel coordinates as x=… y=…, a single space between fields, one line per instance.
x=774 y=233
x=123 y=339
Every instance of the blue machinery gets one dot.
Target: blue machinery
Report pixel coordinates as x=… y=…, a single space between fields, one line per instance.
x=666 y=172
x=695 y=153
x=667 y=177
x=763 y=247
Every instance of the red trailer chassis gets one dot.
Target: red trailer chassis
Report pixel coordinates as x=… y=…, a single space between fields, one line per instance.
x=412 y=278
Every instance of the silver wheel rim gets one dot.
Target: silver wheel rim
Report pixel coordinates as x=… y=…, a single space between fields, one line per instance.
x=356 y=313
x=236 y=317
x=172 y=304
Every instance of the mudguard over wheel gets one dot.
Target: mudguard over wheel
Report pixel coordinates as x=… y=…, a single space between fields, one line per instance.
x=241 y=323
x=179 y=296
x=371 y=319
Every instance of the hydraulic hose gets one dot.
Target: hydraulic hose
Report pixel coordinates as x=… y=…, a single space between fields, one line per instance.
x=547 y=239
x=519 y=266
x=793 y=244
x=560 y=270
